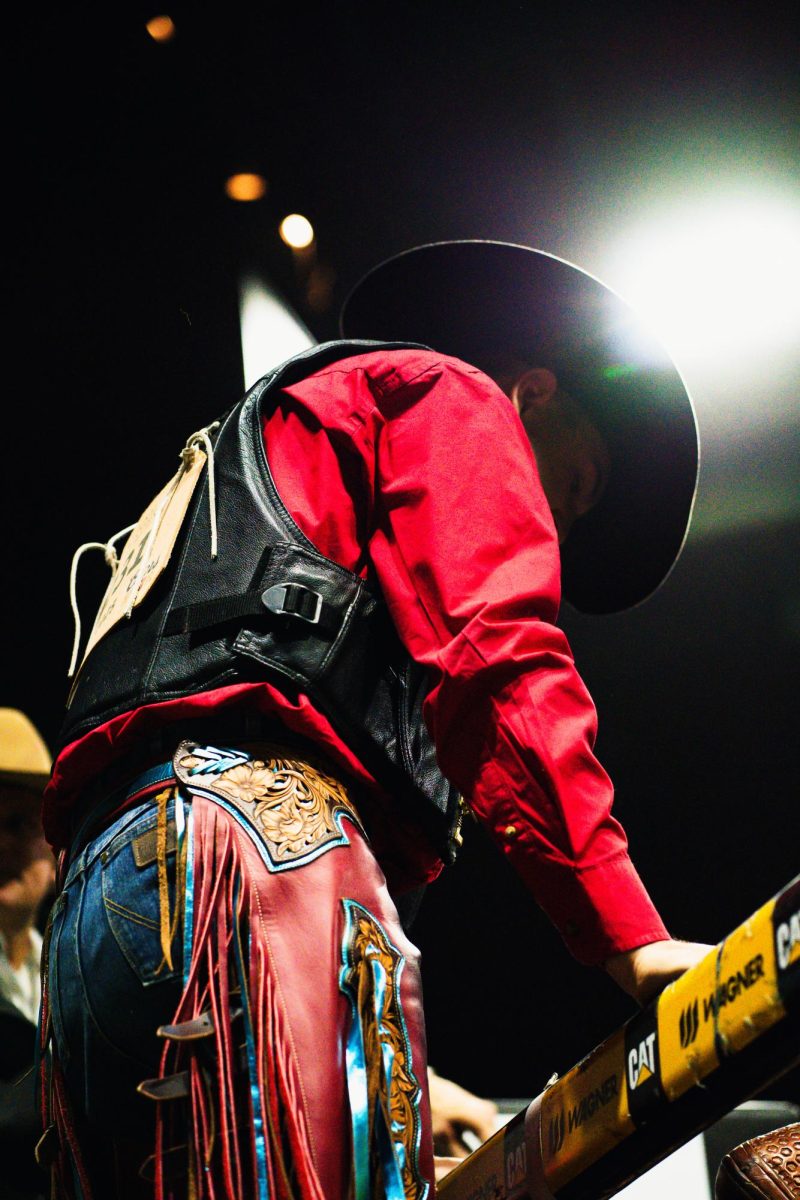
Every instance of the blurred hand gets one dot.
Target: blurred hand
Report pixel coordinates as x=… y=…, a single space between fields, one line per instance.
x=443 y=1166
x=454 y=1110
x=646 y=971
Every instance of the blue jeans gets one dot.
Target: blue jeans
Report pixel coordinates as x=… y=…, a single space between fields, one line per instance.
x=109 y=986
x=291 y=926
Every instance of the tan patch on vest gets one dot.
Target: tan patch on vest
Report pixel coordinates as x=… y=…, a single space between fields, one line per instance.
x=147 y=550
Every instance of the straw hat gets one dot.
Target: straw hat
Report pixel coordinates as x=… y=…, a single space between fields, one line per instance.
x=24 y=758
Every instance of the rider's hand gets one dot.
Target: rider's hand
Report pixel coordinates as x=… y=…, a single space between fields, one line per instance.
x=443 y=1166
x=646 y=971
x=455 y=1110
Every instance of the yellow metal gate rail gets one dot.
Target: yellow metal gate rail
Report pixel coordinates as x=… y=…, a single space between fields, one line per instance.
x=718 y=1034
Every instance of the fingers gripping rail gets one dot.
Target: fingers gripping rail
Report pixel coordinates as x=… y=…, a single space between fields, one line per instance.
x=711 y=1039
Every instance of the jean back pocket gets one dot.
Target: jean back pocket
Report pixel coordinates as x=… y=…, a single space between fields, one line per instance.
x=139 y=916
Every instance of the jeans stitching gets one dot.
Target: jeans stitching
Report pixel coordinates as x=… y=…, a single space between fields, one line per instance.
x=81 y=973
x=144 y=975
x=53 y=973
x=103 y=842
x=129 y=913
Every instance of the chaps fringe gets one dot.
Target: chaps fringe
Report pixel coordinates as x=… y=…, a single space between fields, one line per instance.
x=229 y=975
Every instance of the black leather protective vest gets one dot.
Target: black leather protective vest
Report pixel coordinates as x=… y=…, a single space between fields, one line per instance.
x=271 y=607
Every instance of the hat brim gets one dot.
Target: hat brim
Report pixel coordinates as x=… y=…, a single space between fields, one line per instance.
x=486 y=301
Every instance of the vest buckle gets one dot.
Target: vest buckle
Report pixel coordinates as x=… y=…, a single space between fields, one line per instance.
x=293 y=600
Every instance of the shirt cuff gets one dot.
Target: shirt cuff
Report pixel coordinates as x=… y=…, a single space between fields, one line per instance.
x=600 y=910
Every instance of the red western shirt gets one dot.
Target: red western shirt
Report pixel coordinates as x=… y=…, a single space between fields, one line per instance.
x=413 y=470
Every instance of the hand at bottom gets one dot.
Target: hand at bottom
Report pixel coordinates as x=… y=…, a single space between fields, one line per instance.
x=454 y=1112
x=443 y=1166
x=647 y=970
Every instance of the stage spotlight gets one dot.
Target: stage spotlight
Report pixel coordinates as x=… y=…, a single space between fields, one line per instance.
x=246 y=186
x=297 y=231
x=161 y=29
x=716 y=279
x=271 y=331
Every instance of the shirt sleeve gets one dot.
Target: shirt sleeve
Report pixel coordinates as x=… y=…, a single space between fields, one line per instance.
x=467 y=557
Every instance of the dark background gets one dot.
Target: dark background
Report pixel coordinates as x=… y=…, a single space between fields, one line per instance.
x=389 y=126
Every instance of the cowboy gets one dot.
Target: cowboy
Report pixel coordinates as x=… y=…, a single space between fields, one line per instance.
x=330 y=636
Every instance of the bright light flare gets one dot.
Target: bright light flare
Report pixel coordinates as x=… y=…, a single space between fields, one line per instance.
x=717 y=280
x=246 y=186
x=270 y=330
x=296 y=231
x=161 y=29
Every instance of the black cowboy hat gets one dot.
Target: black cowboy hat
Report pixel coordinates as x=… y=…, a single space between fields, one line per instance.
x=493 y=302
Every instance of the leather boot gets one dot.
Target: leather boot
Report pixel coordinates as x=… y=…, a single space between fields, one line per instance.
x=763 y=1168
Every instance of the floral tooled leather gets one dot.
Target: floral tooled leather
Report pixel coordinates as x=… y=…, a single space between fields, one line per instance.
x=293 y=807
x=370 y=976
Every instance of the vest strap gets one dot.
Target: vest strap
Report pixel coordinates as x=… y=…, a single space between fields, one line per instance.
x=287 y=599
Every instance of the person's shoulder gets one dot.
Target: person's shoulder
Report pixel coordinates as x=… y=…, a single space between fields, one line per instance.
x=391 y=370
